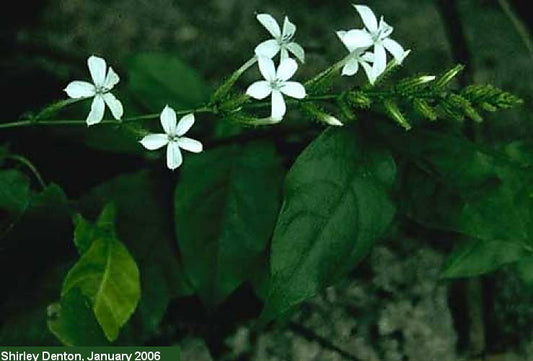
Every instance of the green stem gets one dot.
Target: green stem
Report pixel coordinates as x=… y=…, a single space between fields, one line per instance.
x=311 y=98
x=67 y=122
x=224 y=89
x=203 y=109
x=323 y=75
x=30 y=166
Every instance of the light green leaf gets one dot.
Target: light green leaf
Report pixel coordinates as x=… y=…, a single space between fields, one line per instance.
x=84 y=233
x=158 y=79
x=144 y=223
x=336 y=206
x=476 y=257
x=226 y=205
x=108 y=276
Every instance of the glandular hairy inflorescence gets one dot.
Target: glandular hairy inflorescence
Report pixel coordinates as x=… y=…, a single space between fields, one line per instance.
x=423 y=96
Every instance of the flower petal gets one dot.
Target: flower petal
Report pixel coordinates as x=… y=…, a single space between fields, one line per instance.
x=368 y=57
x=80 y=89
x=97 y=68
x=284 y=53
x=340 y=33
x=270 y=24
x=368 y=17
x=351 y=67
x=293 y=89
x=259 y=90
x=357 y=39
x=192 y=145
x=111 y=79
x=286 y=69
x=369 y=72
x=154 y=141
x=174 y=157
x=380 y=60
x=114 y=105
x=97 y=111
x=289 y=29
x=168 y=120
x=268 y=48
x=385 y=29
x=185 y=123
x=267 y=68
x=278 y=105
x=297 y=50
x=395 y=49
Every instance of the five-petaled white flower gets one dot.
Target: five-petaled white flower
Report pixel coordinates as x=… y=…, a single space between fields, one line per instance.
x=102 y=84
x=275 y=83
x=173 y=137
x=378 y=36
x=282 y=39
x=358 y=55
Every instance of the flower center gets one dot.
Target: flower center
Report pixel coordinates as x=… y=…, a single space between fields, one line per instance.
x=100 y=89
x=284 y=39
x=172 y=138
x=377 y=35
x=276 y=84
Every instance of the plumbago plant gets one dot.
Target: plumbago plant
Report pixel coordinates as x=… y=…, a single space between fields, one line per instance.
x=380 y=159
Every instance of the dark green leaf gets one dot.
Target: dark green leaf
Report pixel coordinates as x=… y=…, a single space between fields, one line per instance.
x=158 y=79
x=226 y=205
x=483 y=193
x=336 y=205
x=476 y=257
x=72 y=321
x=480 y=192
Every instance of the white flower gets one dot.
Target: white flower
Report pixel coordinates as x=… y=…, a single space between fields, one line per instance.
x=275 y=83
x=173 y=137
x=378 y=36
x=358 y=55
x=282 y=39
x=102 y=84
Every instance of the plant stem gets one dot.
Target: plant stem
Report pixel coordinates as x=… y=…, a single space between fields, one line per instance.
x=323 y=75
x=224 y=89
x=311 y=98
x=37 y=122
x=30 y=166
x=202 y=109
